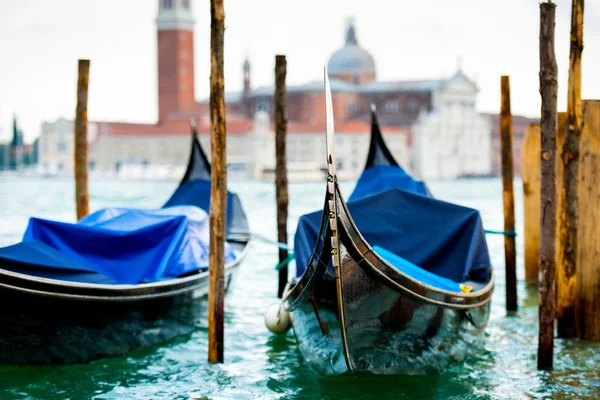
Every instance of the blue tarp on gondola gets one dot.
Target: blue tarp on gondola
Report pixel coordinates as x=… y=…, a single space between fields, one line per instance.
x=440 y=237
x=116 y=245
x=197 y=193
x=380 y=178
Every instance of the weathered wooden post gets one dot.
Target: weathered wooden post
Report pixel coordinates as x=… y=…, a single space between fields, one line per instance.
x=82 y=196
x=281 y=181
x=588 y=254
x=549 y=127
x=566 y=283
x=218 y=188
x=508 y=195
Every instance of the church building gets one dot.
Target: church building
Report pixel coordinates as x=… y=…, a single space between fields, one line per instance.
x=431 y=126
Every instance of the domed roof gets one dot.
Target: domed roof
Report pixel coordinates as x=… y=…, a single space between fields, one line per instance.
x=351 y=59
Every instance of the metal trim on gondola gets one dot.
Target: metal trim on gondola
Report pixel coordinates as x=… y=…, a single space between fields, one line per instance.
x=19 y=282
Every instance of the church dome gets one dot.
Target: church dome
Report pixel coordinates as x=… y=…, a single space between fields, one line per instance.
x=351 y=59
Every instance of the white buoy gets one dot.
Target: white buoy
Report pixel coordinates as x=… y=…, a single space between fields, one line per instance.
x=277 y=319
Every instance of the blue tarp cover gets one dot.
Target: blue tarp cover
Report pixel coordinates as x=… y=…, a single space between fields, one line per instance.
x=380 y=178
x=443 y=238
x=197 y=193
x=116 y=245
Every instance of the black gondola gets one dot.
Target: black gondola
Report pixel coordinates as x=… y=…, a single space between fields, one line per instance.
x=392 y=282
x=55 y=313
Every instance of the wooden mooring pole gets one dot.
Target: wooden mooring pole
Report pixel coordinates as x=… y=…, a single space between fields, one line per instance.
x=82 y=196
x=566 y=283
x=508 y=195
x=549 y=127
x=218 y=188
x=281 y=181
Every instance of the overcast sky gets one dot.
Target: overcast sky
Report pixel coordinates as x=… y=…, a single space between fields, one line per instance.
x=41 y=40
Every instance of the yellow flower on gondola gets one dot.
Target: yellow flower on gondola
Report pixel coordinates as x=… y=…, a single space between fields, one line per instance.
x=465 y=288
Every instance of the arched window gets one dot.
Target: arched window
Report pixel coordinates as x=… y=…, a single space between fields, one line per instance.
x=186 y=4
x=167 y=3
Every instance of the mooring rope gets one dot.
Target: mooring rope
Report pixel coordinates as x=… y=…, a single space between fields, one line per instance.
x=265 y=239
x=285 y=262
x=505 y=233
x=280 y=245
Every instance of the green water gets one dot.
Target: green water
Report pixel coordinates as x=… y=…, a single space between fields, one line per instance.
x=260 y=365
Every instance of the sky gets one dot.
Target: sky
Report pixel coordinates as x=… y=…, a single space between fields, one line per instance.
x=41 y=41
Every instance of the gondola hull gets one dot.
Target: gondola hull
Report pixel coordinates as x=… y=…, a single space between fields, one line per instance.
x=387 y=333
x=44 y=321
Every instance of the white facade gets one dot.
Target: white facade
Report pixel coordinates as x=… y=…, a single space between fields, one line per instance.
x=151 y=156
x=306 y=153
x=142 y=155
x=249 y=155
x=453 y=139
x=56 y=145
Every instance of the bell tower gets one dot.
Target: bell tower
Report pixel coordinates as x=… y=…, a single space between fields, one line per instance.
x=175 y=26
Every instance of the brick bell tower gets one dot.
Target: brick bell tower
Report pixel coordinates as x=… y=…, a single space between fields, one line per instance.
x=175 y=25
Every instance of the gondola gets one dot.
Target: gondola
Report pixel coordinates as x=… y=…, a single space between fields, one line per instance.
x=393 y=281
x=116 y=280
